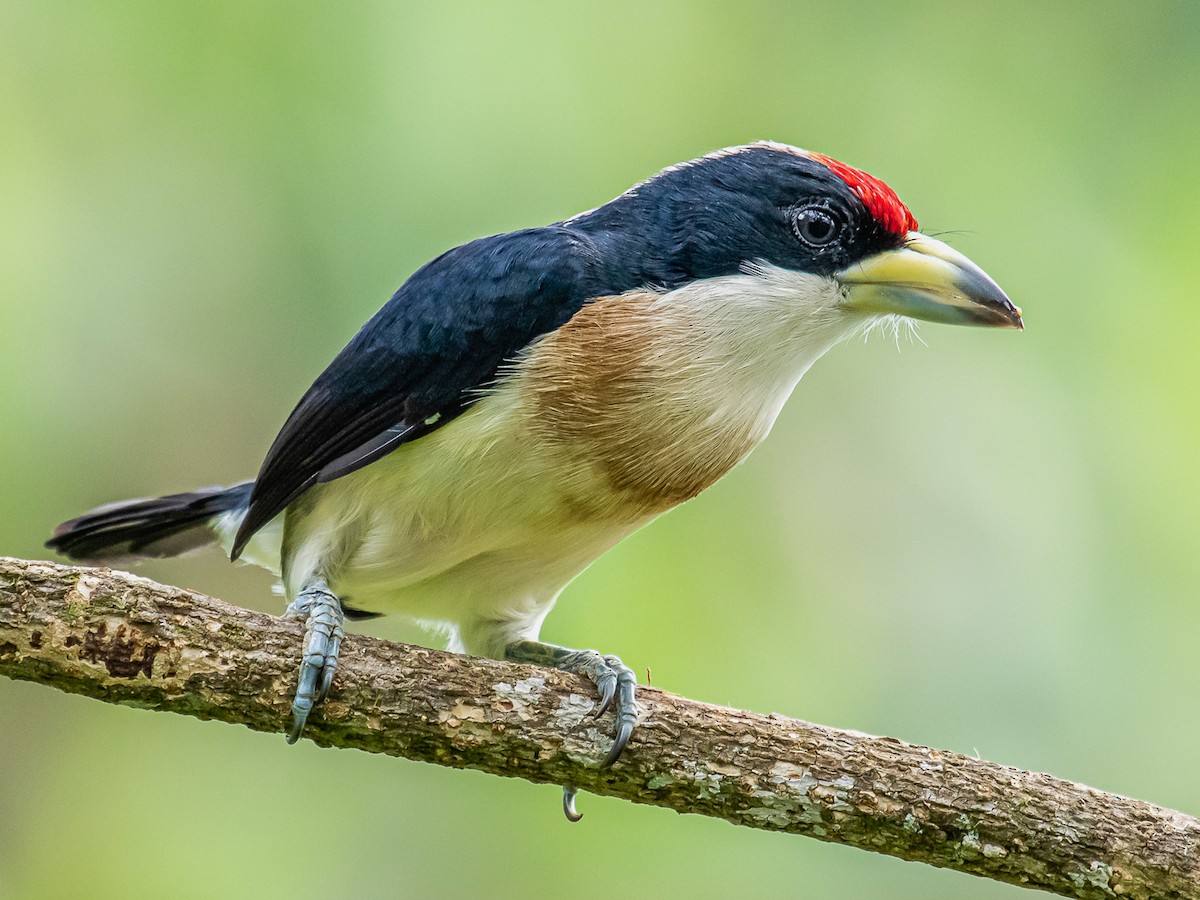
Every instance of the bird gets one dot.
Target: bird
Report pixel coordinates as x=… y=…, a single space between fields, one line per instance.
x=526 y=400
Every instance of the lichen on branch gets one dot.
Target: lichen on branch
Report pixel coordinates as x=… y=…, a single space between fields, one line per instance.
x=127 y=640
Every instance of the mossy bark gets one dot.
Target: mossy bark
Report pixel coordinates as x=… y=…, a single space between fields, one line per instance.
x=127 y=640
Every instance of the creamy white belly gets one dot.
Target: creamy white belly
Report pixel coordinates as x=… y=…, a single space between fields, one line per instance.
x=471 y=528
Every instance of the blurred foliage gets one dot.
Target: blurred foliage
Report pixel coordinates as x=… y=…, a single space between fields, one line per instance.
x=986 y=544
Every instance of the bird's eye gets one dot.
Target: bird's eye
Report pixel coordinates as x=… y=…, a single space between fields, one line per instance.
x=816 y=226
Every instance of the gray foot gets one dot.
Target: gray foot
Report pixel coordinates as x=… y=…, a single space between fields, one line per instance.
x=613 y=679
x=323 y=633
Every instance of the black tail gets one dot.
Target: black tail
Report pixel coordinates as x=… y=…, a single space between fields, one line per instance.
x=163 y=526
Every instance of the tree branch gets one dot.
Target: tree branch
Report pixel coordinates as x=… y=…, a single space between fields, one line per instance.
x=124 y=639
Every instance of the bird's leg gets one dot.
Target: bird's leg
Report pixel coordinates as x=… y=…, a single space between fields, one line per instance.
x=323 y=633
x=613 y=679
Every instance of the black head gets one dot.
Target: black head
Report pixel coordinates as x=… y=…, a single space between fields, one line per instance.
x=760 y=203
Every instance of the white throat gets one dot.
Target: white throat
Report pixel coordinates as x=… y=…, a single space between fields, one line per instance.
x=757 y=332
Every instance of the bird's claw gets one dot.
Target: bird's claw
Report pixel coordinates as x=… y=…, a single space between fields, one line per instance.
x=572 y=814
x=323 y=633
x=626 y=714
x=617 y=680
x=606 y=684
x=614 y=681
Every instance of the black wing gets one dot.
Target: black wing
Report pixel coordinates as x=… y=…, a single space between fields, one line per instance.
x=416 y=364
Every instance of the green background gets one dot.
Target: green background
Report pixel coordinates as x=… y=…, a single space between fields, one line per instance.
x=988 y=544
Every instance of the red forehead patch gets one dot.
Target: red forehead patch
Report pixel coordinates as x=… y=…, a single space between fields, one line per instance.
x=879 y=199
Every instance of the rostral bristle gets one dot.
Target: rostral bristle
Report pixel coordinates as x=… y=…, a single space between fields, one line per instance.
x=880 y=200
